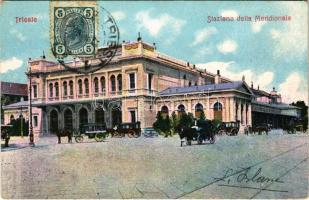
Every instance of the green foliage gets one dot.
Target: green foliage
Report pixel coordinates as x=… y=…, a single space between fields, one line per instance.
x=187 y=120
x=303 y=113
x=174 y=122
x=15 y=130
x=216 y=123
x=202 y=116
x=161 y=125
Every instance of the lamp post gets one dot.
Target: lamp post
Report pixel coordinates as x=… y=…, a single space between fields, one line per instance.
x=31 y=143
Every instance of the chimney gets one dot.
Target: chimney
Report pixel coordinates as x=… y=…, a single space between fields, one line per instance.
x=252 y=84
x=194 y=66
x=139 y=37
x=188 y=64
x=217 y=77
x=243 y=78
x=154 y=45
x=258 y=87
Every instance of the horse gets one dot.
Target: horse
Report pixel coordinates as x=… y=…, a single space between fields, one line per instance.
x=202 y=131
x=64 y=133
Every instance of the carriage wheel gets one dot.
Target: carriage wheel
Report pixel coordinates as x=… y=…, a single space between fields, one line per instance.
x=79 y=139
x=221 y=132
x=234 y=132
x=99 y=137
x=131 y=134
x=116 y=134
x=212 y=139
x=229 y=133
x=136 y=135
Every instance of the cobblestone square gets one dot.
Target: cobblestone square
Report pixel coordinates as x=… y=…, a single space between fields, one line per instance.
x=157 y=168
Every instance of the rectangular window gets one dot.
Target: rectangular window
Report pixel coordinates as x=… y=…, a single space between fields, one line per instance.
x=35 y=121
x=150 y=81
x=35 y=91
x=133 y=116
x=132 y=80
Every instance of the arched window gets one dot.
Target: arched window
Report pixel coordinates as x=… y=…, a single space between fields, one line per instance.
x=102 y=80
x=50 y=90
x=218 y=111
x=164 y=111
x=57 y=89
x=83 y=118
x=119 y=81
x=71 y=88
x=86 y=82
x=190 y=83
x=198 y=110
x=96 y=85
x=80 y=86
x=11 y=118
x=195 y=83
x=65 y=88
x=184 y=77
x=181 y=109
x=113 y=83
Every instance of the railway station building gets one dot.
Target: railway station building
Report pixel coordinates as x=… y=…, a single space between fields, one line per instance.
x=137 y=83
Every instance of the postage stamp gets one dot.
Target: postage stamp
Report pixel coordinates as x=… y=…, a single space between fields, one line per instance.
x=75 y=34
x=74 y=31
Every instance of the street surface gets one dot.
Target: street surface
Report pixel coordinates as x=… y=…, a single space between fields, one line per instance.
x=255 y=166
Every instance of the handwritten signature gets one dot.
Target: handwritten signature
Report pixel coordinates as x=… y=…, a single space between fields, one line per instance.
x=246 y=176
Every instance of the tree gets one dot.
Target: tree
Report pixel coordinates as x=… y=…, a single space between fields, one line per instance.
x=174 y=122
x=202 y=116
x=162 y=125
x=303 y=113
x=186 y=120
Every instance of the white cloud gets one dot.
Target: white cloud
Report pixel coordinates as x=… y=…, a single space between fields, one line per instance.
x=118 y=15
x=155 y=24
x=227 y=46
x=18 y=34
x=275 y=34
x=257 y=26
x=228 y=70
x=203 y=34
x=229 y=13
x=10 y=64
x=292 y=39
x=294 y=88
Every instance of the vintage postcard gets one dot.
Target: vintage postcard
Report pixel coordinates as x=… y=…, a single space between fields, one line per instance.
x=154 y=99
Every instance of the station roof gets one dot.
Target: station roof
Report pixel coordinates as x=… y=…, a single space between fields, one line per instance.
x=202 y=88
x=16 y=105
x=18 y=89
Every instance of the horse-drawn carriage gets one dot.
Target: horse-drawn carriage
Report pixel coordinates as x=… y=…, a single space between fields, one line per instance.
x=130 y=129
x=96 y=131
x=92 y=131
x=258 y=128
x=229 y=128
x=204 y=130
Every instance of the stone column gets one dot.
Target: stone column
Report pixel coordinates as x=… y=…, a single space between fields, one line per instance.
x=244 y=113
x=249 y=114
x=44 y=122
x=141 y=111
x=227 y=110
x=239 y=111
x=189 y=105
x=223 y=110
x=232 y=109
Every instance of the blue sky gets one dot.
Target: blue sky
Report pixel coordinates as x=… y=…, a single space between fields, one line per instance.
x=269 y=54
